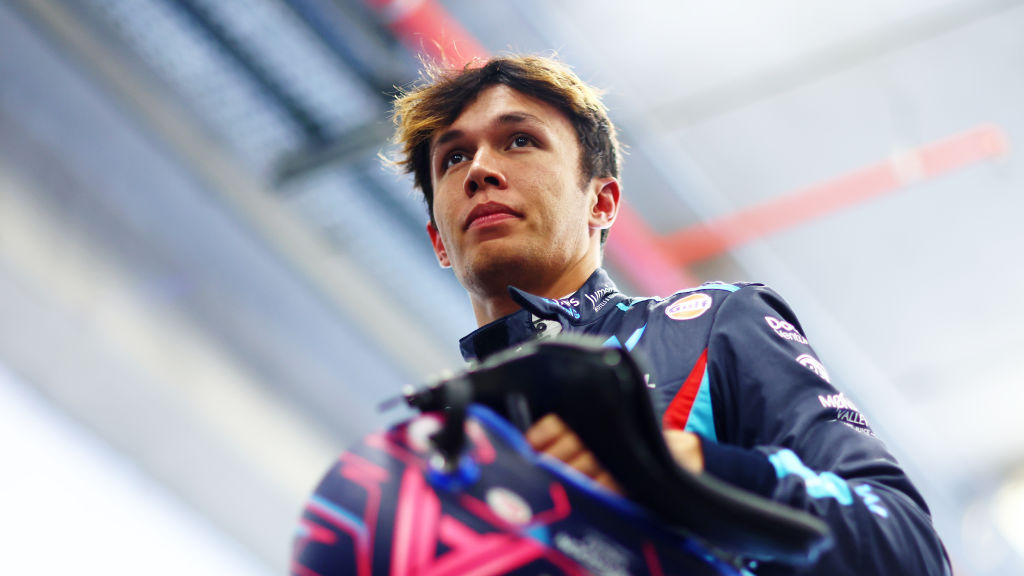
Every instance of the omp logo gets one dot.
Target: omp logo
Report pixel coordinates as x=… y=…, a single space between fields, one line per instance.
x=812 y=364
x=785 y=330
x=689 y=308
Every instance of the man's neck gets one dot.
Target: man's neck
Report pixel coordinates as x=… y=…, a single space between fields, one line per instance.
x=489 y=307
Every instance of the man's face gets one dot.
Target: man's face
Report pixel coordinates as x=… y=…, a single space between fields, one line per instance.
x=509 y=199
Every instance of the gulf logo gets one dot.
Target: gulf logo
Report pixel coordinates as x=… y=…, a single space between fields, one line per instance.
x=689 y=308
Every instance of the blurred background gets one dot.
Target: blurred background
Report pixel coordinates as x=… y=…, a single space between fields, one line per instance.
x=208 y=282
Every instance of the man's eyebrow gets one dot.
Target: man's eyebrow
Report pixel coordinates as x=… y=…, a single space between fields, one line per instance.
x=503 y=120
x=447 y=137
x=517 y=118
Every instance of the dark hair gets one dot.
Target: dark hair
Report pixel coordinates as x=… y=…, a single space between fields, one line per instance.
x=436 y=102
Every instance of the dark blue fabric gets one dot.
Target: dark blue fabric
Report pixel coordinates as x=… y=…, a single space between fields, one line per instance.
x=767 y=397
x=748 y=469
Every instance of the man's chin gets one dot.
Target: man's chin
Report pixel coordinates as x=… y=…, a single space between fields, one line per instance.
x=494 y=267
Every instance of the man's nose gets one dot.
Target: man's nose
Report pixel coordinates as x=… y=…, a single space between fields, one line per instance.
x=484 y=172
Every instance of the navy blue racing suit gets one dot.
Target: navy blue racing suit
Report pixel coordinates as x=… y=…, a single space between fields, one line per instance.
x=731 y=363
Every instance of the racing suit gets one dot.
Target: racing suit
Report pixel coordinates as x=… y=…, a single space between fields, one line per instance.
x=731 y=363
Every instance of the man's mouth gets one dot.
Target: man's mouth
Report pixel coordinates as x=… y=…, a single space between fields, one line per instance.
x=489 y=213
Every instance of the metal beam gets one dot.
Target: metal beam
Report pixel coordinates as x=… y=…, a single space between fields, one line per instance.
x=277 y=93
x=356 y=37
x=335 y=276
x=353 y=144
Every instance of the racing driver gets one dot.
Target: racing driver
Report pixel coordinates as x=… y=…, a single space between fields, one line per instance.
x=519 y=163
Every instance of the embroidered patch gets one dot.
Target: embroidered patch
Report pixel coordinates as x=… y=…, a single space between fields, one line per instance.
x=689 y=307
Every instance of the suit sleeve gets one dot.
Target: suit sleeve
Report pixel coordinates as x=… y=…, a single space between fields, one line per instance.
x=773 y=401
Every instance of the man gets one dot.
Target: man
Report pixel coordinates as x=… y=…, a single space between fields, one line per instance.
x=519 y=164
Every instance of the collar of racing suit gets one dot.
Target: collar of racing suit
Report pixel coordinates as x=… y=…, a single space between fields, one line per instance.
x=543 y=317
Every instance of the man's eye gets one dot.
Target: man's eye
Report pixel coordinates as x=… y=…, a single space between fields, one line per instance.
x=453 y=159
x=521 y=140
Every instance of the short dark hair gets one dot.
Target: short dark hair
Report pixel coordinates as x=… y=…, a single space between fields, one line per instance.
x=436 y=102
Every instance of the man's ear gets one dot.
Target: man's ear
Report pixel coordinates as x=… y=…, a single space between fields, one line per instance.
x=439 y=251
x=606 y=203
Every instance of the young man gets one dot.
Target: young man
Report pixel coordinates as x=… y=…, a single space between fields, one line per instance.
x=519 y=164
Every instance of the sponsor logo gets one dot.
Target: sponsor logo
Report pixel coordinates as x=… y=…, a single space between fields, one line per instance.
x=689 y=308
x=865 y=431
x=508 y=506
x=846 y=412
x=838 y=401
x=785 y=330
x=812 y=364
x=597 y=299
x=569 y=302
x=854 y=420
x=569 y=305
x=596 y=553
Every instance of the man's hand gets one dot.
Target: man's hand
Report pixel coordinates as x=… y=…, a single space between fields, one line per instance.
x=551 y=436
x=685 y=449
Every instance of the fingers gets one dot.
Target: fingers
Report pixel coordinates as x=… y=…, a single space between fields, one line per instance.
x=685 y=449
x=605 y=479
x=551 y=436
x=545 y=431
x=586 y=462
